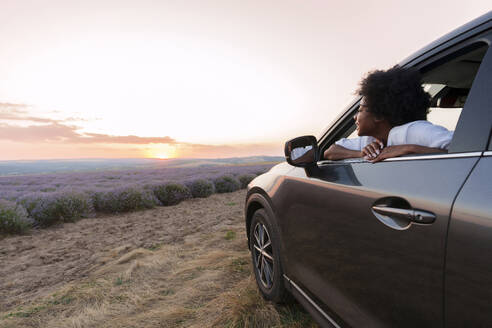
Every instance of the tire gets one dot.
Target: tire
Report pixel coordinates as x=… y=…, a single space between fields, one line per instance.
x=265 y=254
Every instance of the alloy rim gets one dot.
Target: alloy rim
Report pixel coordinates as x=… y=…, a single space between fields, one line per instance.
x=263 y=255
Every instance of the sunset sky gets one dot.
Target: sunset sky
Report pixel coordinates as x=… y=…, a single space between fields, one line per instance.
x=194 y=78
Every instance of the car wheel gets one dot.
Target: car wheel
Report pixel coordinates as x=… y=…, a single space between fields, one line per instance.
x=265 y=253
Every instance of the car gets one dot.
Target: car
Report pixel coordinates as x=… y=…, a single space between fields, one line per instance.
x=405 y=242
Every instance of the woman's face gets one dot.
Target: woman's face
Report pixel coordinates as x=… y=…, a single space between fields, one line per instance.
x=365 y=120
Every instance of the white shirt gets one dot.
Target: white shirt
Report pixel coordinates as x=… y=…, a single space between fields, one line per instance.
x=422 y=133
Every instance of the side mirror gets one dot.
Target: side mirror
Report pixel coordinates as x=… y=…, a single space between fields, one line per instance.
x=302 y=151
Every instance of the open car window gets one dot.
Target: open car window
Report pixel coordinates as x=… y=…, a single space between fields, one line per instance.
x=448 y=81
x=449 y=84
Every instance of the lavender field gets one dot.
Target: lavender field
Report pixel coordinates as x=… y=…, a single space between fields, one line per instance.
x=43 y=199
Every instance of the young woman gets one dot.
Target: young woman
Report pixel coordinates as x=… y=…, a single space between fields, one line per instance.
x=391 y=120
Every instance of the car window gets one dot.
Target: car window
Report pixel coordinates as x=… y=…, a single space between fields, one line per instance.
x=448 y=81
x=447 y=117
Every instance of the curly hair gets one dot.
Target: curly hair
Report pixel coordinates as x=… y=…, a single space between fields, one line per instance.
x=395 y=94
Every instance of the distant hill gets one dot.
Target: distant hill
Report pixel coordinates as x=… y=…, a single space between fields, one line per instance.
x=8 y=168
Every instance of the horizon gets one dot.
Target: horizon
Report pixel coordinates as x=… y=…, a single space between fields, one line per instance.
x=140 y=158
x=201 y=79
x=12 y=168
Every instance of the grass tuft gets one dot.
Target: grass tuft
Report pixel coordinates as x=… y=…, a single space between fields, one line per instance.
x=13 y=217
x=123 y=200
x=240 y=265
x=118 y=281
x=230 y=235
x=201 y=188
x=247 y=308
x=25 y=313
x=227 y=183
x=245 y=179
x=172 y=193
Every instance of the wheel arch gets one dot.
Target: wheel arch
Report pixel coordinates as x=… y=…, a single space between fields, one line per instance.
x=257 y=199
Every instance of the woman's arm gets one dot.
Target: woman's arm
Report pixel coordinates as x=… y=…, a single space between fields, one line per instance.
x=335 y=152
x=395 y=151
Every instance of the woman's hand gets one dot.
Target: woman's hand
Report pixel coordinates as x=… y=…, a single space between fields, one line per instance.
x=372 y=150
x=392 y=151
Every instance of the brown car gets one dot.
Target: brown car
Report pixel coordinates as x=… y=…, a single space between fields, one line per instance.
x=406 y=242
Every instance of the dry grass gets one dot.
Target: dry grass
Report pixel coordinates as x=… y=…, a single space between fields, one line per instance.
x=202 y=280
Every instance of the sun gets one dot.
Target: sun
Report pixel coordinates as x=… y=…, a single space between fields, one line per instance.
x=161 y=152
x=162 y=156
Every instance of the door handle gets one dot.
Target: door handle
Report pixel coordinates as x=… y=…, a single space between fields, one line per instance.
x=414 y=216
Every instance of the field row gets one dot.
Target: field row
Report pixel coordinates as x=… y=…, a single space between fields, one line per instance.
x=86 y=194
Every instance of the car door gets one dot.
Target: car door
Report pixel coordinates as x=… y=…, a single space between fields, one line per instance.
x=369 y=274
x=468 y=272
x=468 y=280
x=348 y=246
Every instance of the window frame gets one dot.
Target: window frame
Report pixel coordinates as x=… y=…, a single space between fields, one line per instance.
x=458 y=147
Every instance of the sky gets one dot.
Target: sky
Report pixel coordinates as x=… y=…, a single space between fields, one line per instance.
x=194 y=78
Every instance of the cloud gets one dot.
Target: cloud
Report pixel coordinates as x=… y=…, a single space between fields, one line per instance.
x=56 y=135
x=52 y=130
x=79 y=119
x=104 y=138
x=56 y=132
x=17 y=115
x=18 y=112
x=5 y=105
x=38 y=133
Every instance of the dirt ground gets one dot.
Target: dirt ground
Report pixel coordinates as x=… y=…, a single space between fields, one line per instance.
x=179 y=266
